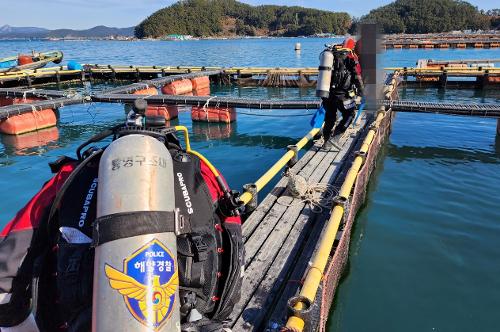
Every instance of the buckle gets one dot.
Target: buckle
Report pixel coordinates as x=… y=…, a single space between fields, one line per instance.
x=200 y=246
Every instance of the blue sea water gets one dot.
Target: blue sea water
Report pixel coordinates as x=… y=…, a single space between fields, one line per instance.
x=424 y=253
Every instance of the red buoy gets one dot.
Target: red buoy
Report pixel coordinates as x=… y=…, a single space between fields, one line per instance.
x=169 y=112
x=24 y=123
x=6 y=101
x=147 y=91
x=202 y=92
x=178 y=87
x=202 y=82
x=213 y=114
x=24 y=59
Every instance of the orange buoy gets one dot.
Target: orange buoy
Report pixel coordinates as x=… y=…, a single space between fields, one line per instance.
x=169 y=112
x=202 y=92
x=25 y=100
x=24 y=123
x=24 y=59
x=213 y=114
x=202 y=82
x=178 y=87
x=6 y=101
x=30 y=140
x=152 y=91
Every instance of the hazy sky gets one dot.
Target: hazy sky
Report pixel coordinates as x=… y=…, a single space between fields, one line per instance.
x=82 y=14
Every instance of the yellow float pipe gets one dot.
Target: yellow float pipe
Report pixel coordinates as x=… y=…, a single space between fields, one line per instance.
x=246 y=197
x=318 y=264
x=199 y=155
x=186 y=136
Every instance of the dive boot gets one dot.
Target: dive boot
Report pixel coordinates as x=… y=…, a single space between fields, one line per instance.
x=327 y=145
x=333 y=144
x=335 y=141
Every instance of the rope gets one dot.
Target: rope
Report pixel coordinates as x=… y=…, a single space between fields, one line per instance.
x=205 y=106
x=318 y=196
x=208 y=101
x=35 y=114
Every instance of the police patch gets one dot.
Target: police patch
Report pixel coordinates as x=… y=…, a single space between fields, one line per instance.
x=148 y=283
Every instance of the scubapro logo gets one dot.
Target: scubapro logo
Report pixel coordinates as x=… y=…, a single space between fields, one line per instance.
x=86 y=203
x=185 y=193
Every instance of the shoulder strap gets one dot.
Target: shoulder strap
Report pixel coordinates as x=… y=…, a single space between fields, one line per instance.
x=67 y=183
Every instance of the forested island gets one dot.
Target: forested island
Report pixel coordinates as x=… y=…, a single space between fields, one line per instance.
x=233 y=19
x=428 y=16
x=229 y=18
x=203 y=18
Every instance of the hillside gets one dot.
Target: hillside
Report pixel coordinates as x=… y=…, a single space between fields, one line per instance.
x=426 y=16
x=101 y=31
x=230 y=18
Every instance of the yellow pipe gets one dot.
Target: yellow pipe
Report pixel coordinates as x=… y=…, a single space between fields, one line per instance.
x=186 y=136
x=318 y=264
x=246 y=197
x=199 y=155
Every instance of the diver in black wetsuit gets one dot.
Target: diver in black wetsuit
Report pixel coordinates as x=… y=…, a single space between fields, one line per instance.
x=346 y=84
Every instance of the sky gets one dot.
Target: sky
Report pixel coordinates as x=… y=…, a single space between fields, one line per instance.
x=84 y=14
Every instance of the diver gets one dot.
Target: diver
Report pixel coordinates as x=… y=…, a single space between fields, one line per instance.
x=346 y=86
x=47 y=250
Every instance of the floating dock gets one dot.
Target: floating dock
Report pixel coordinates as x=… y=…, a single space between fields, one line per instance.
x=296 y=247
x=441 y=76
x=442 y=41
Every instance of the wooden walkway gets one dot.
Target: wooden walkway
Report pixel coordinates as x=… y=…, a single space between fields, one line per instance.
x=280 y=238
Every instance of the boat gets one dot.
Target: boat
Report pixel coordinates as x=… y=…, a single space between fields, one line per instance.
x=28 y=62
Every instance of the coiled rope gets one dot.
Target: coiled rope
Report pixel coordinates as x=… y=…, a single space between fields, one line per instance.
x=318 y=196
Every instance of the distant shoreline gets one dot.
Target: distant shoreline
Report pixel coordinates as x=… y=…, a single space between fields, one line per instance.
x=454 y=34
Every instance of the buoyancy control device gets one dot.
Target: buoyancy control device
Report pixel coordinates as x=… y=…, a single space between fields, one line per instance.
x=161 y=221
x=331 y=70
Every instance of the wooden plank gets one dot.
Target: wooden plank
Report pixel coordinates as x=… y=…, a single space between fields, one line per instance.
x=269 y=222
x=276 y=277
x=263 y=208
x=271 y=246
x=337 y=174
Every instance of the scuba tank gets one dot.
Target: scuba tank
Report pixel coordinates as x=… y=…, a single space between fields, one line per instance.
x=324 y=73
x=136 y=282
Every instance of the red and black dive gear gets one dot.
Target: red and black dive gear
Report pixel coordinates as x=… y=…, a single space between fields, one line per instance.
x=41 y=271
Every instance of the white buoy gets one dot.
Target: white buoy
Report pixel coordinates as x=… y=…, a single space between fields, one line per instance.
x=297 y=46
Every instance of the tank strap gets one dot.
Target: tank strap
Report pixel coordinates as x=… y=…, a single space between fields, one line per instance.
x=122 y=225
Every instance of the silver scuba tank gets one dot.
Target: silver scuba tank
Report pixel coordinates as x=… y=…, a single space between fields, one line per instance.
x=135 y=268
x=324 y=74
